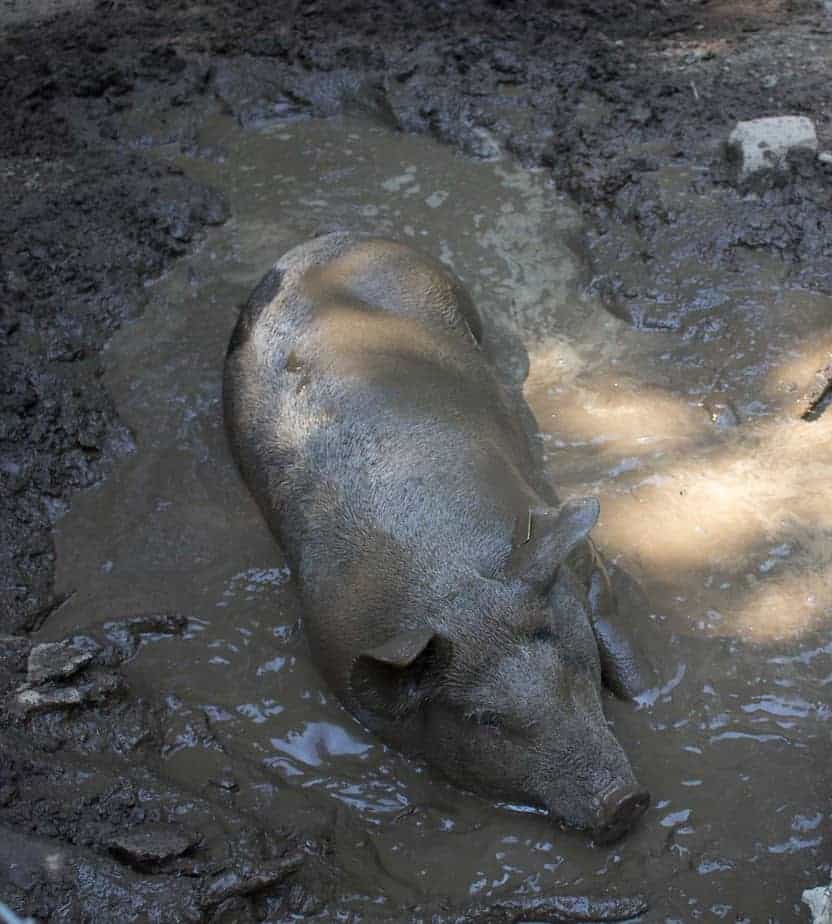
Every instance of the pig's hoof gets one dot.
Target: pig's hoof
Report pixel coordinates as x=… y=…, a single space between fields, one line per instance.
x=620 y=810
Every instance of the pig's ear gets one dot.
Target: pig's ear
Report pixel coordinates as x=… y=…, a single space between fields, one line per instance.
x=551 y=534
x=395 y=677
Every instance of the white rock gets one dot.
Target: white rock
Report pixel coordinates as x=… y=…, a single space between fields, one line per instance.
x=825 y=157
x=31 y=699
x=57 y=660
x=762 y=144
x=820 y=903
x=52 y=696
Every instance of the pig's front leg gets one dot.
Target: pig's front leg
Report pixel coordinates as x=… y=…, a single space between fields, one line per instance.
x=616 y=607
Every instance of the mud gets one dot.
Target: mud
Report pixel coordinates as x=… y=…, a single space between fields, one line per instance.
x=180 y=759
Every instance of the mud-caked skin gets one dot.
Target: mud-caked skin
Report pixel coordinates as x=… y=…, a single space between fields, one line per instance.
x=451 y=602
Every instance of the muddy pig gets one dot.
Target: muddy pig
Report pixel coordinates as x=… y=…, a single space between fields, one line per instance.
x=454 y=605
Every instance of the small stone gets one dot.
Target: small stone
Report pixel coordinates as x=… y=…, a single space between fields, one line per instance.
x=825 y=157
x=762 y=144
x=58 y=660
x=151 y=845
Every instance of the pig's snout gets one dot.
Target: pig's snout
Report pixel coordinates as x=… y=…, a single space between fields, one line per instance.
x=622 y=804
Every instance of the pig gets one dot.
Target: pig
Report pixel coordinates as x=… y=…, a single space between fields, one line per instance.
x=453 y=604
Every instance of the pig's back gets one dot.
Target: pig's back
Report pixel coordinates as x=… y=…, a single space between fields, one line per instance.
x=365 y=418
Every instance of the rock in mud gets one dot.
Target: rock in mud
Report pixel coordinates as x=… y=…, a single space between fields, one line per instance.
x=151 y=846
x=763 y=144
x=59 y=660
x=60 y=696
x=31 y=700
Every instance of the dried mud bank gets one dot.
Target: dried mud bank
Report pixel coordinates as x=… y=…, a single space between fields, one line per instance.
x=626 y=105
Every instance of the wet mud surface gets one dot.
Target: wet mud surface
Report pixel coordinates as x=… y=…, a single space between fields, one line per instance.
x=179 y=758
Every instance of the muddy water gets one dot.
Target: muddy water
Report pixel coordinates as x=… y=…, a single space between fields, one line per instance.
x=714 y=495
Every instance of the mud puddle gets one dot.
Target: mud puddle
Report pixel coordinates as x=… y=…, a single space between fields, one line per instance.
x=713 y=495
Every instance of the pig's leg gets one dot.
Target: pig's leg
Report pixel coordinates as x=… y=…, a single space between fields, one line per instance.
x=613 y=607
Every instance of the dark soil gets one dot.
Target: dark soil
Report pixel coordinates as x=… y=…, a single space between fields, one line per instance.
x=622 y=101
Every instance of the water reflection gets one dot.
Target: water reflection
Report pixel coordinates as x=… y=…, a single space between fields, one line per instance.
x=317 y=742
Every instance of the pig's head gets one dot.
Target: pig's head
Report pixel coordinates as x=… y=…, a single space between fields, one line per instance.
x=503 y=692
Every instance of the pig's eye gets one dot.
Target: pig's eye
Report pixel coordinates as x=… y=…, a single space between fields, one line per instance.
x=487 y=719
